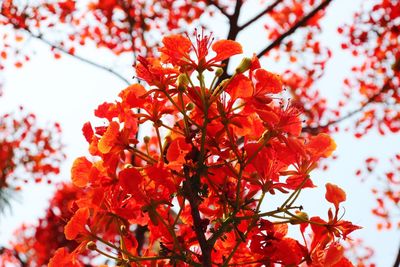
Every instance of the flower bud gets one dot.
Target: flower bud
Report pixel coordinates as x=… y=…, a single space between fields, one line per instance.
x=146 y=139
x=244 y=65
x=219 y=72
x=182 y=82
x=183 y=79
x=189 y=106
x=91 y=245
x=300 y=218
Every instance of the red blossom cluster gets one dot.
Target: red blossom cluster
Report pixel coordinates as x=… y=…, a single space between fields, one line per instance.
x=387 y=195
x=34 y=245
x=374 y=40
x=119 y=26
x=28 y=152
x=214 y=153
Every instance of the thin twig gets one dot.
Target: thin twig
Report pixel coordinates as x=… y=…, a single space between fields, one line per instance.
x=299 y=24
x=85 y=60
x=317 y=129
x=262 y=13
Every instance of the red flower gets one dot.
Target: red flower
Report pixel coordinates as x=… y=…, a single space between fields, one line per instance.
x=177 y=48
x=76 y=225
x=271 y=243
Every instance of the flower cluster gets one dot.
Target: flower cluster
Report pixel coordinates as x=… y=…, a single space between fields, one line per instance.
x=190 y=192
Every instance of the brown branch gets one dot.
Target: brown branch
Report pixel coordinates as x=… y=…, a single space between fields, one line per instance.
x=233 y=21
x=262 y=13
x=191 y=194
x=299 y=24
x=232 y=34
x=317 y=129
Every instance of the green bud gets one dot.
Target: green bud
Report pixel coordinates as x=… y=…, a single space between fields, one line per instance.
x=300 y=218
x=189 y=106
x=244 y=65
x=219 y=72
x=183 y=80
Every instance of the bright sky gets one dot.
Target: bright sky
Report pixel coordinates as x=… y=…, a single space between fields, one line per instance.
x=68 y=91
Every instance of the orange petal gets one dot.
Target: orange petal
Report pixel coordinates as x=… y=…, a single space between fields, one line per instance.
x=334 y=194
x=130 y=94
x=80 y=171
x=76 y=224
x=321 y=145
x=225 y=49
x=176 y=47
x=109 y=138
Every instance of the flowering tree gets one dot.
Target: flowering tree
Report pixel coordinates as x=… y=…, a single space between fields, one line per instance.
x=293 y=31
x=28 y=152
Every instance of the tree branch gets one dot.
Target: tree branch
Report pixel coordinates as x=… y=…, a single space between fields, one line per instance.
x=262 y=13
x=232 y=34
x=193 y=198
x=85 y=60
x=317 y=129
x=299 y=24
x=212 y=2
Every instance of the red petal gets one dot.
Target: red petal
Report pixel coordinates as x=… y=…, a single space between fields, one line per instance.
x=267 y=82
x=76 y=224
x=177 y=150
x=334 y=254
x=176 y=47
x=334 y=194
x=107 y=111
x=129 y=179
x=131 y=94
x=240 y=87
x=225 y=49
x=289 y=251
x=294 y=182
x=88 y=131
x=63 y=258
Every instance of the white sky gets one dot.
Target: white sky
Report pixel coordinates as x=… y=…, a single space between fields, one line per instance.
x=68 y=91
